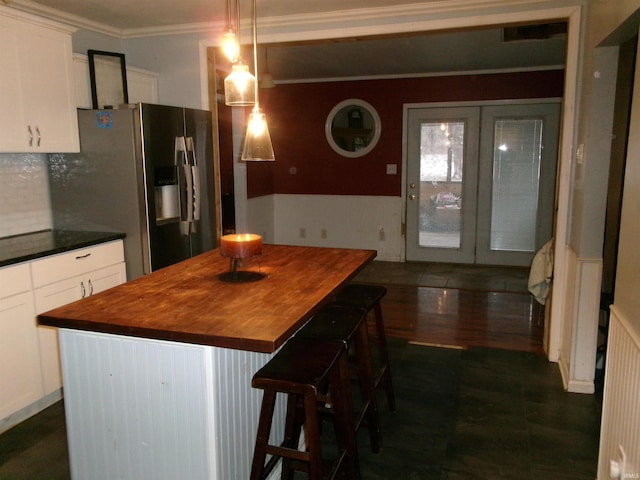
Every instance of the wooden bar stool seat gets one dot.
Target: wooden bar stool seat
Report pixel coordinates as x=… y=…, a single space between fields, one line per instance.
x=335 y=322
x=367 y=298
x=312 y=374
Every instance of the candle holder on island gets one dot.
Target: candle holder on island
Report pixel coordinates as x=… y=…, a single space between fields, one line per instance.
x=238 y=246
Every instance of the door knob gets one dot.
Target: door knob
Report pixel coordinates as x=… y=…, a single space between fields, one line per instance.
x=412 y=186
x=412 y=197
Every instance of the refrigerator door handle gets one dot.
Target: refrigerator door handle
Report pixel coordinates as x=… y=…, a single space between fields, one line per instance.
x=188 y=176
x=196 y=181
x=185 y=184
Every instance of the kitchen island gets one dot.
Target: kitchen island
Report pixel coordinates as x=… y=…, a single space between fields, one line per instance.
x=157 y=372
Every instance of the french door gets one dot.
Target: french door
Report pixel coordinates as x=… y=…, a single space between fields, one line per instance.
x=480 y=182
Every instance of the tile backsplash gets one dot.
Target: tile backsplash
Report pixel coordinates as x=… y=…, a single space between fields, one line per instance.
x=24 y=194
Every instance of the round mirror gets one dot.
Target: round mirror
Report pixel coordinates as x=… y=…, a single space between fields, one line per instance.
x=352 y=128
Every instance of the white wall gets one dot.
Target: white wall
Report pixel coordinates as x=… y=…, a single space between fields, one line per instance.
x=607 y=26
x=606 y=21
x=177 y=62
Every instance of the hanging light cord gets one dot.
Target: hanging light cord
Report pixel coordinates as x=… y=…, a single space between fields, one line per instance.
x=255 y=49
x=229 y=26
x=237 y=12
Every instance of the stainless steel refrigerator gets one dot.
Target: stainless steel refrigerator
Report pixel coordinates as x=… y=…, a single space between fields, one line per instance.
x=147 y=172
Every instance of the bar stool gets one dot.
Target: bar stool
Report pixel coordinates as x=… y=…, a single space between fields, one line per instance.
x=305 y=370
x=366 y=298
x=336 y=322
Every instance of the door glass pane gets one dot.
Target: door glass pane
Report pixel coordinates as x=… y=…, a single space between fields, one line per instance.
x=441 y=162
x=516 y=180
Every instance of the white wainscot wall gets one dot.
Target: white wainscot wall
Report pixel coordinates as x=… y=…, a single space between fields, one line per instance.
x=577 y=359
x=345 y=221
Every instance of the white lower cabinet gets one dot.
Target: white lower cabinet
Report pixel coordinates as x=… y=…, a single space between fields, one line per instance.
x=20 y=377
x=29 y=353
x=92 y=270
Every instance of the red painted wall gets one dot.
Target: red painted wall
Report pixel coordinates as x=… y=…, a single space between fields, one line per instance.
x=306 y=164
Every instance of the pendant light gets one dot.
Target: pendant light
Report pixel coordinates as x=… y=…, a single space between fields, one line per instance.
x=230 y=40
x=257 y=141
x=266 y=79
x=239 y=86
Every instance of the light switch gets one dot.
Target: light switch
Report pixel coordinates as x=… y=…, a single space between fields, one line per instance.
x=580 y=154
x=392 y=169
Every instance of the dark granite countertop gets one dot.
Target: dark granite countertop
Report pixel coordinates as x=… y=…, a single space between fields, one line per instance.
x=30 y=246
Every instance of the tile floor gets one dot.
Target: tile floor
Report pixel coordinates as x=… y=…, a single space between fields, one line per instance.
x=471 y=414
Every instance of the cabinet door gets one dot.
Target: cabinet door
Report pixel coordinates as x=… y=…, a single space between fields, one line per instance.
x=37 y=94
x=47 y=298
x=13 y=123
x=49 y=92
x=100 y=280
x=61 y=293
x=19 y=359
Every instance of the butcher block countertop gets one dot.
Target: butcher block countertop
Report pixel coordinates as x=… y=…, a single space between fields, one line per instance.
x=188 y=302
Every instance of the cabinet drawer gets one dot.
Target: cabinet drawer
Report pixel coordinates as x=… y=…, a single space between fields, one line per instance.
x=76 y=262
x=14 y=279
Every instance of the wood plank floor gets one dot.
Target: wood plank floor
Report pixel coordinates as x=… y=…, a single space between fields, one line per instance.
x=464 y=318
x=459 y=305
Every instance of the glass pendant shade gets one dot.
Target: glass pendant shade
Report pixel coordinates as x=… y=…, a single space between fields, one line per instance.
x=230 y=45
x=239 y=87
x=257 y=142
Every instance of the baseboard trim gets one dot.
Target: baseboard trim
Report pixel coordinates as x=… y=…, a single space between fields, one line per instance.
x=30 y=410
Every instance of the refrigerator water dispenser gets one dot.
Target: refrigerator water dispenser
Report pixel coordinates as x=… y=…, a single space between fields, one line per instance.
x=167 y=195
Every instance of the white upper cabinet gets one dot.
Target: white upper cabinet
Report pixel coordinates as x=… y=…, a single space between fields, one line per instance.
x=37 y=87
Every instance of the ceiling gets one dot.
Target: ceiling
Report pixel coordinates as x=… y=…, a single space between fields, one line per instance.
x=135 y=14
x=415 y=54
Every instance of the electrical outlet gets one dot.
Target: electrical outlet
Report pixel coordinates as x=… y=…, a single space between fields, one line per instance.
x=303 y=233
x=617 y=467
x=323 y=233
x=381 y=235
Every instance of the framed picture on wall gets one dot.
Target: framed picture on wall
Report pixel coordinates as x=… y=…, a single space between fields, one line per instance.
x=108 y=74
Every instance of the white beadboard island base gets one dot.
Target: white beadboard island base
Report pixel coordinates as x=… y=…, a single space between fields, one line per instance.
x=142 y=409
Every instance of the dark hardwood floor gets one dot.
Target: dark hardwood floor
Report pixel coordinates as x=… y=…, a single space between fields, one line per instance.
x=464 y=318
x=459 y=305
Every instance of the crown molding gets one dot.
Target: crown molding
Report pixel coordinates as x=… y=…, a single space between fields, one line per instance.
x=319 y=25
x=456 y=73
x=62 y=17
x=439 y=14
x=34 y=19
